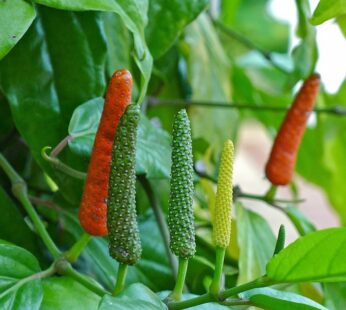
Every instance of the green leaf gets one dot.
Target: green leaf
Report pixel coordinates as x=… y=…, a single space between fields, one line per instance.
x=209 y=75
x=270 y=299
x=319 y=256
x=153 y=144
x=305 y=54
x=341 y=20
x=153 y=156
x=134 y=15
x=166 y=21
x=302 y=224
x=65 y=293
x=15 y=18
x=83 y=126
x=327 y=9
x=43 y=86
x=16 y=287
x=130 y=299
x=335 y=295
x=254 y=21
x=12 y=225
x=119 y=43
x=256 y=242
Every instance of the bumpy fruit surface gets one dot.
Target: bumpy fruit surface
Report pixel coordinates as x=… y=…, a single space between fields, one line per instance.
x=223 y=202
x=124 y=240
x=180 y=215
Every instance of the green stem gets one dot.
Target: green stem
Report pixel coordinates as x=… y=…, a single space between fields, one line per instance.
x=62 y=144
x=160 y=218
x=260 y=282
x=156 y=102
x=180 y=282
x=87 y=282
x=206 y=298
x=265 y=199
x=215 y=286
x=74 y=252
x=203 y=299
x=120 y=281
x=40 y=275
x=20 y=192
x=270 y=195
x=57 y=164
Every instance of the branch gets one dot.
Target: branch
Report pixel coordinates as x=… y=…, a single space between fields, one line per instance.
x=40 y=275
x=59 y=165
x=156 y=102
x=20 y=192
x=222 y=297
x=65 y=268
x=74 y=252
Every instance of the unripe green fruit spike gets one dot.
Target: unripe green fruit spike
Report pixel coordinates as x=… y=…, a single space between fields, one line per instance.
x=124 y=240
x=180 y=214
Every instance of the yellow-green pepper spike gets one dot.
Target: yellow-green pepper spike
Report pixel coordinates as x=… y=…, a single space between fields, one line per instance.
x=223 y=202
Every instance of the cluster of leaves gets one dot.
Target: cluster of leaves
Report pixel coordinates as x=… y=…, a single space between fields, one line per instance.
x=57 y=56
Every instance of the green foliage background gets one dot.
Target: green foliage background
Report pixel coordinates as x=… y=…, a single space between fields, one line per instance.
x=56 y=59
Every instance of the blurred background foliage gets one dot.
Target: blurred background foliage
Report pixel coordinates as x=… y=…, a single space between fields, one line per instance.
x=57 y=57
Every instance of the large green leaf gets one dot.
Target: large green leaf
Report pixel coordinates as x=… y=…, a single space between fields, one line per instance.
x=17 y=264
x=209 y=75
x=256 y=244
x=13 y=228
x=153 y=144
x=319 y=256
x=153 y=156
x=327 y=9
x=270 y=299
x=134 y=15
x=65 y=293
x=15 y=18
x=167 y=19
x=253 y=20
x=119 y=43
x=133 y=297
x=58 y=64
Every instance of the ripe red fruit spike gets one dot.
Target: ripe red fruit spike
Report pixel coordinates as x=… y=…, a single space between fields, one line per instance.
x=282 y=160
x=93 y=208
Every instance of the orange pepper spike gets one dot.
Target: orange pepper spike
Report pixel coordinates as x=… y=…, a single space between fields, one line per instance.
x=282 y=160
x=93 y=207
